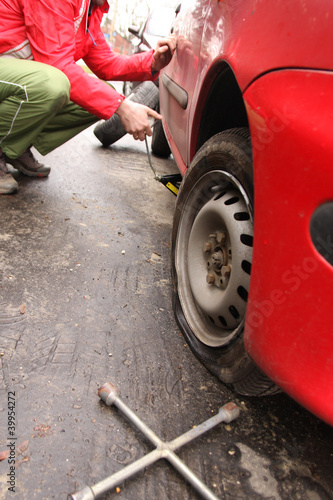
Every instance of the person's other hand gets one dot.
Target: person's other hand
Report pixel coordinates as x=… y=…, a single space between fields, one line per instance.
x=134 y=117
x=165 y=49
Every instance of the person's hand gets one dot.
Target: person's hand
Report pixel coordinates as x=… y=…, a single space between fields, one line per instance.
x=165 y=49
x=134 y=117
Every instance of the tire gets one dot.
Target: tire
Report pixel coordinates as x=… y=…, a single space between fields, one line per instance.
x=159 y=143
x=212 y=240
x=127 y=88
x=111 y=130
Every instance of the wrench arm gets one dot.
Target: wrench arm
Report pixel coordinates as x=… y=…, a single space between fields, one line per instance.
x=111 y=396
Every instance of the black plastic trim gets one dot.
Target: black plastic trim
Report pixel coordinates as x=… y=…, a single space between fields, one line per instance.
x=175 y=90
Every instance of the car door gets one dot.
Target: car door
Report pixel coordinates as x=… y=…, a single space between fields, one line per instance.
x=179 y=78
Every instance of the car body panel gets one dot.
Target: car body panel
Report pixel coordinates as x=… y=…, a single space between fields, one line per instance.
x=281 y=56
x=289 y=318
x=229 y=30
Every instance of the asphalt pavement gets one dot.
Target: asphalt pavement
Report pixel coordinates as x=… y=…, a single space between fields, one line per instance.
x=86 y=298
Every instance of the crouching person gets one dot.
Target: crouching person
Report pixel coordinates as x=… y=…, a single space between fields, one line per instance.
x=45 y=97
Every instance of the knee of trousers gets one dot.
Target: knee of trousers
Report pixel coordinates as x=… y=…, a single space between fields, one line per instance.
x=53 y=89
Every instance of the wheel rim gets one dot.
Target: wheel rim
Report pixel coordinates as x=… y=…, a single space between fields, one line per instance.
x=213 y=256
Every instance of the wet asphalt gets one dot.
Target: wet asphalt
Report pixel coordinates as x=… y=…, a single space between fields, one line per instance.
x=86 y=298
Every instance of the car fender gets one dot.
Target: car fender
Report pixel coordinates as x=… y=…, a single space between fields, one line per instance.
x=289 y=318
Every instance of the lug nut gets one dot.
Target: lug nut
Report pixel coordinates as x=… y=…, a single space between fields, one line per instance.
x=207 y=247
x=226 y=270
x=221 y=237
x=210 y=278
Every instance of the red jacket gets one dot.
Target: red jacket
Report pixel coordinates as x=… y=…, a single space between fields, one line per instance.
x=60 y=32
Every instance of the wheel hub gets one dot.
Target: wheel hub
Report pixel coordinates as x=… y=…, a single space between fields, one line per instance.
x=216 y=253
x=218 y=264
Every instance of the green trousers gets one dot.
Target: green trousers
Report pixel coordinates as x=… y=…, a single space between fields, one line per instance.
x=35 y=108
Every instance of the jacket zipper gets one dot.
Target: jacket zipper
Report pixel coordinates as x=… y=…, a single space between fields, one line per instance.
x=87 y=23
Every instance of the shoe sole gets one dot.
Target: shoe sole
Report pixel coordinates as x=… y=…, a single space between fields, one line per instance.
x=8 y=191
x=29 y=173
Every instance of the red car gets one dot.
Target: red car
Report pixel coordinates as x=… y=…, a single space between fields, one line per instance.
x=247 y=105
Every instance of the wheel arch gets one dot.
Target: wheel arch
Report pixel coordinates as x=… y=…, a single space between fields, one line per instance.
x=220 y=106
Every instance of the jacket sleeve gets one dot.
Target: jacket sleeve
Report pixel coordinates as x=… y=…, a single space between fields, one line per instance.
x=51 y=33
x=109 y=66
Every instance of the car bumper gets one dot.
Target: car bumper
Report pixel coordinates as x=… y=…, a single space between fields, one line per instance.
x=289 y=320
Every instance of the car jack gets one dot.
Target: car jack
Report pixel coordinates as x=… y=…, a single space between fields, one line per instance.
x=172 y=181
x=111 y=396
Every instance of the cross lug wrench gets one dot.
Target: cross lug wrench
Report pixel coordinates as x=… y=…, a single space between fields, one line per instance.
x=111 y=396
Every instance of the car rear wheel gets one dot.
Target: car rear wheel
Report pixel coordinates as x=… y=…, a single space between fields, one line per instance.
x=212 y=243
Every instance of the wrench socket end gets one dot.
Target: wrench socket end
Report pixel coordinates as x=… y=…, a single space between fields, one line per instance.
x=108 y=393
x=231 y=411
x=85 y=494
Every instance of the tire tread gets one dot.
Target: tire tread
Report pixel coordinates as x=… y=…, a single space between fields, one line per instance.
x=110 y=131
